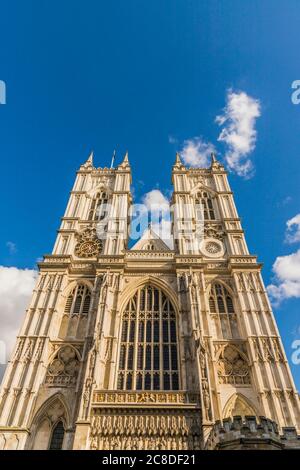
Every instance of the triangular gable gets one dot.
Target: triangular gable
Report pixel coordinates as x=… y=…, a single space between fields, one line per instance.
x=150 y=241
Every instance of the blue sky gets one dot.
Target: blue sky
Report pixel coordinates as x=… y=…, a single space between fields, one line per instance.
x=128 y=75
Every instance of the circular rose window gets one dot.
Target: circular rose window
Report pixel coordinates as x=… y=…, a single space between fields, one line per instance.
x=212 y=248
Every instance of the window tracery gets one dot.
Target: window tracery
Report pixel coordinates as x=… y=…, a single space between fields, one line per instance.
x=76 y=312
x=232 y=367
x=222 y=312
x=148 y=358
x=204 y=199
x=98 y=209
x=63 y=369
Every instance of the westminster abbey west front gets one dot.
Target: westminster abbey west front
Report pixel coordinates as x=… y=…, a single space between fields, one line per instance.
x=149 y=347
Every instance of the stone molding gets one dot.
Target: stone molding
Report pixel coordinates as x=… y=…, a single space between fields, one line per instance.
x=109 y=398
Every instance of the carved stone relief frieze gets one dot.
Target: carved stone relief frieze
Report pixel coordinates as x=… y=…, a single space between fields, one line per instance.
x=145 y=431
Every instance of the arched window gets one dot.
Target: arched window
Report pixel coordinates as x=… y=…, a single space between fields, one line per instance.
x=98 y=210
x=149 y=247
x=238 y=405
x=77 y=306
x=148 y=357
x=222 y=312
x=57 y=437
x=204 y=199
x=78 y=302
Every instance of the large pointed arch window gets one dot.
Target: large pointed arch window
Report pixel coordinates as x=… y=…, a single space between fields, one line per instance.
x=77 y=307
x=78 y=301
x=222 y=312
x=98 y=209
x=148 y=358
x=204 y=199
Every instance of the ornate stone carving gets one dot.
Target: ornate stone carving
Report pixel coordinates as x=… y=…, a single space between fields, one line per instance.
x=139 y=254
x=241 y=282
x=19 y=349
x=142 y=431
x=232 y=367
x=88 y=244
x=63 y=369
x=250 y=283
x=212 y=230
x=39 y=349
x=257 y=349
x=258 y=283
x=174 y=398
x=29 y=350
x=56 y=259
x=277 y=350
x=108 y=349
x=243 y=259
x=267 y=350
x=207 y=411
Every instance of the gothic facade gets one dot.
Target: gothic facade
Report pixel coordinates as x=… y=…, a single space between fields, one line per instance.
x=149 y=347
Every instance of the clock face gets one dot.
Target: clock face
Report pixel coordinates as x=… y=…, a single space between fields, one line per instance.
x=89 y=248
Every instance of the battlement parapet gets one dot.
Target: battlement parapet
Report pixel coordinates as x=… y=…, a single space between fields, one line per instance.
x=249 y=432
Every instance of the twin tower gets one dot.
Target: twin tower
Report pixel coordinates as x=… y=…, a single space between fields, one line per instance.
x=152 y=347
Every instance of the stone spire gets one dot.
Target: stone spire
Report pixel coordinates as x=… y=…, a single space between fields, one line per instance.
x=178 y=159
x=125 y=163
x=126 y=157
x=178 y=163
x=215 y=164
x=89 y=162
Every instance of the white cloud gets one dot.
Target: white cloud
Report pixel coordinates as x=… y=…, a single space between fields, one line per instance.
x=156 y=201
x=293 y=230
x=16 y=286
x=196 y=153
x=238 y=132
x=12 y=247
x=157 y=208
x=287 y=278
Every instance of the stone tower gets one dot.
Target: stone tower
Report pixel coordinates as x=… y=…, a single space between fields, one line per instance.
x=148 y=347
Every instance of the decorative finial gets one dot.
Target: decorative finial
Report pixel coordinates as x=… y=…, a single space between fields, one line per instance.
x=178 y=159
x=113 y=159
x=215 y=164
x=213 y=158
x=126 y=157
x=89 y=161
x=91 y=157
x=125 y=165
